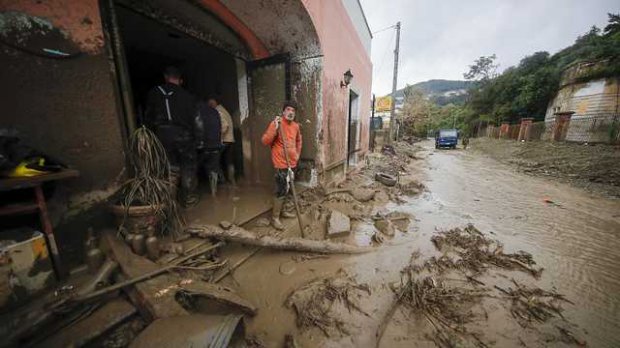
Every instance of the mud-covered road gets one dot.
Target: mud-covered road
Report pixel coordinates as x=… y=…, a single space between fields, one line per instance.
x=573 y=235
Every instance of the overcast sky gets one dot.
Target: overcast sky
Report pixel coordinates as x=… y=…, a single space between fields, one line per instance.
x=441 y=38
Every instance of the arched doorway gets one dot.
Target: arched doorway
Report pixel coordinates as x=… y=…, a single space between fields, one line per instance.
x=255 y=54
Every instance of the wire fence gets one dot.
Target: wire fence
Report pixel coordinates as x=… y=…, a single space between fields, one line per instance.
x=598 y=128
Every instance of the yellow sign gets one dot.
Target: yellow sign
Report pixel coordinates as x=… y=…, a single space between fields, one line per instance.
x=383 y=104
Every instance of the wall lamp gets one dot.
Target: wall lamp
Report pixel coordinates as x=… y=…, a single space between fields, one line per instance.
x=347 y=79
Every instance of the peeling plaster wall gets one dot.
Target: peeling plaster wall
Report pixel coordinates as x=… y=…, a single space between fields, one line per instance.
x=80 y=20
x=282 y=25
x=65 y=107
x=340 y=52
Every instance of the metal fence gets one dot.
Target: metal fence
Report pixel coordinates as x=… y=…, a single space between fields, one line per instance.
x=599 y=128
x=593 y=129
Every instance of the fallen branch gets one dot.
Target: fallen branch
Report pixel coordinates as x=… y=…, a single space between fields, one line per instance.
x=239 y=235
x=146 y=276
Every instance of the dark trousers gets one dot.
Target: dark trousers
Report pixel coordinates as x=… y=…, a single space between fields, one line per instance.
x=181 y=151
x=282 y=187
x=210 y=160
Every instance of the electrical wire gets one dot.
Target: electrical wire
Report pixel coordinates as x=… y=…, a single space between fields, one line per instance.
x=384 y=29
x=385 y=54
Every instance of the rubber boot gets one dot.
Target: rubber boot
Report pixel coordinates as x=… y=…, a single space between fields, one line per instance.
x=213 y=183
x=231 y=175
x=275 y=217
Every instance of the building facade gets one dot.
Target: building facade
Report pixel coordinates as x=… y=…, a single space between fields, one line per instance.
x=75 y=74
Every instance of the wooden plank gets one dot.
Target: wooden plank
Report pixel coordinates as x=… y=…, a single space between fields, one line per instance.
x=103 y=319
x=220 y=294
x=156 y=294
x=15 y=209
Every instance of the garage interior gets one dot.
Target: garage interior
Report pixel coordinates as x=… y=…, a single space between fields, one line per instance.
x=150 y=46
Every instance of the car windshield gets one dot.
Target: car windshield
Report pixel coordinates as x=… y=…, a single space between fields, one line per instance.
x=447 y=133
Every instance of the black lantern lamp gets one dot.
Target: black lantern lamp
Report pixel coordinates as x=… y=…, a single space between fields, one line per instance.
x=348 y=76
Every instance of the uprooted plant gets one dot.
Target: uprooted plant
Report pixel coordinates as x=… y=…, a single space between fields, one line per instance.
x=314 y=303
x=533 y=304
x=477 y=252
x=449 y=309
x=151 y=183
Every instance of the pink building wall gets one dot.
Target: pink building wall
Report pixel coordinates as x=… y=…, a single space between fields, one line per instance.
x=342 y=49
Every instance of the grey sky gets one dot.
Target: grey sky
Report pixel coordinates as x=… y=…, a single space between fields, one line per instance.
x=441 y=38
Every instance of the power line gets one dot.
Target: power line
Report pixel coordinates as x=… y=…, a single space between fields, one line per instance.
x=384 y=29
x=389 y=45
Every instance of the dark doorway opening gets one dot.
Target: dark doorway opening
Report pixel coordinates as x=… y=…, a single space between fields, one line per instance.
x=353 y=138
x=151 y=46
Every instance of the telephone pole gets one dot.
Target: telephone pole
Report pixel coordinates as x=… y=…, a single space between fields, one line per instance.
x=394 y=83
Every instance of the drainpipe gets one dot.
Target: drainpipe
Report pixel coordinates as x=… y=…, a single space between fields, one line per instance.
x=122 y=71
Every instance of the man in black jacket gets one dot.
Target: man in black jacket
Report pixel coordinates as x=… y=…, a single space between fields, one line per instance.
x=171 y=113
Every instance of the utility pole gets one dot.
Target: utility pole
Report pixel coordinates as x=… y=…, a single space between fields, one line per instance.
x=394 y=83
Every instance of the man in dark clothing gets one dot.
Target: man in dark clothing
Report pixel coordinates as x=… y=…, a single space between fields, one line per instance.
x=209 y=138
x=171 y=114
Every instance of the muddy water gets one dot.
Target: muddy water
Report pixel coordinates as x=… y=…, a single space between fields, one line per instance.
x=575 y=239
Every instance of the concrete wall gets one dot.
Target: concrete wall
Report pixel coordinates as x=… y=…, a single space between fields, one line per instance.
x=590 y=98
x=340 y=53
x=64 y=107
x=595 y=103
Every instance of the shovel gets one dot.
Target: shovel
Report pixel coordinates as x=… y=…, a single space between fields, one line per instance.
x=292 y=183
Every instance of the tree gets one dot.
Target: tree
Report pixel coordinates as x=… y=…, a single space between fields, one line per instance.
x=613 y=26
x=483 y=69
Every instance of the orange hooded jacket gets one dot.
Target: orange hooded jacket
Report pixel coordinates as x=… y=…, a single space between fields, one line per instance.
x=271 y=137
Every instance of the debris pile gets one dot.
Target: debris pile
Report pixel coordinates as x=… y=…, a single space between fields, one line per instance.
x=533 y=304
x=445 y=292
x=315 y=303
x=477 y=252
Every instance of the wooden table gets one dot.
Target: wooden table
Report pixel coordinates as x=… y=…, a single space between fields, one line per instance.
x=38 y=205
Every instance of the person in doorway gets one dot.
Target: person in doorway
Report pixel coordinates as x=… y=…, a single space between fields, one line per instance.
x=228 y=138
x=171 y=114
x=209 y=136
x=283 y=136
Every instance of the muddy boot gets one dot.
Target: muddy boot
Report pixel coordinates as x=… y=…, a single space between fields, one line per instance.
x=231 y=176
x=288 y=210
x=275 y=217
x=213 y=178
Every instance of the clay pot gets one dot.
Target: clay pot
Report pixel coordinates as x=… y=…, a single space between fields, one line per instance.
x=139 y=218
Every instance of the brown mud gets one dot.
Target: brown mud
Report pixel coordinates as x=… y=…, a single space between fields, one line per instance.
x=590 y=166
x=533 y=223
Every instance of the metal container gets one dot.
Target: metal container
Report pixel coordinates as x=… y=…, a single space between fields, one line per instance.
x=152 y=247
x=94 y=259
x=138 y=244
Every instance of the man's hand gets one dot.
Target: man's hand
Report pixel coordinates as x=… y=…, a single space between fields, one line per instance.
x=277 y=121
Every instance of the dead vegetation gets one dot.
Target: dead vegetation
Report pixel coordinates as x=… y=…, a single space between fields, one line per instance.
x=316 y=303
x=533 y=304
x=476 y=253
x=452 y=310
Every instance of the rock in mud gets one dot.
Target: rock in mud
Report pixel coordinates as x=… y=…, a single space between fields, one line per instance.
x=262 y=222
x=381 y=197
x=226 y=224
x=363 y=194
x=338 y=224
x=386 y=227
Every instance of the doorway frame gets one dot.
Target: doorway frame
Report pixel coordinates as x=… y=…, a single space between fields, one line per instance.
x=354 y=97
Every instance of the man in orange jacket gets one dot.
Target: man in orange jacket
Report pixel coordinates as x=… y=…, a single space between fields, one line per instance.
x=285 y=127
